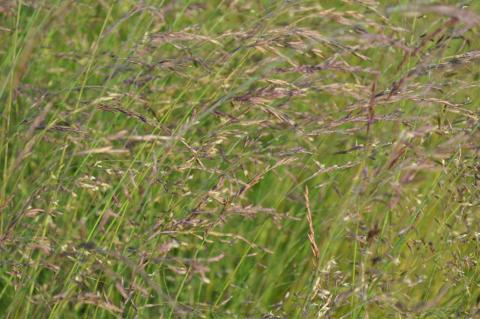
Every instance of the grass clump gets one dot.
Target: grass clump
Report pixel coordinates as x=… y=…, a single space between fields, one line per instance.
x=239 y=159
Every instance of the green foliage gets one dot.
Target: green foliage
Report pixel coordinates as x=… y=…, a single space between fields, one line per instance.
x=157 y=159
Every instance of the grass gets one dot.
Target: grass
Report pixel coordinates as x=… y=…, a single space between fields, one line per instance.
x=239 y=159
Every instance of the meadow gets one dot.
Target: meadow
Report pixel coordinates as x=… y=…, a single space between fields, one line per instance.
x=239 y=159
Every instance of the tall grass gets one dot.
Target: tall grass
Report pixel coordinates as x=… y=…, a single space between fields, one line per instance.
x=239 y=159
